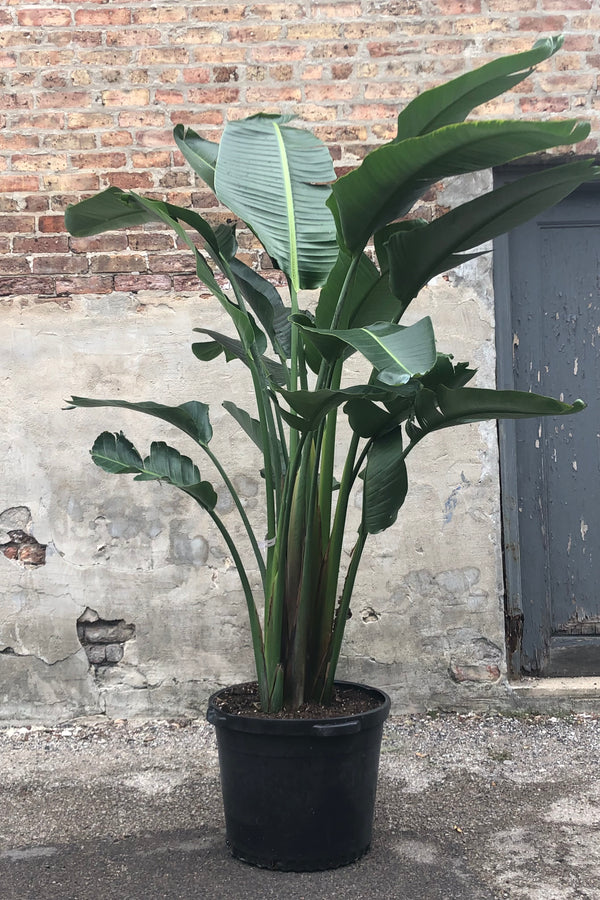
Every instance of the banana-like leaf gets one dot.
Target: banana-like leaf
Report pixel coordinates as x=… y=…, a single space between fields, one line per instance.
x=313 y=406
x=367 y=419
x=446 y=407
x=234 y=349
x=416 y=256
x=277 y=180
x=385 y=482
x=267 y=305
x=364 y=277
x=200 y=153
x=116 y=454
x=246 y=422
x=395 y=352
x=454 y=100
x=192 y=417
x=391 y=178
x=107 y=211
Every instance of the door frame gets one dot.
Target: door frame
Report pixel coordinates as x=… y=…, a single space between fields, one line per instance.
x=507 y=442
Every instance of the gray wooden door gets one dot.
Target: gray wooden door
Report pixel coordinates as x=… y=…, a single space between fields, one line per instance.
x=547 y=280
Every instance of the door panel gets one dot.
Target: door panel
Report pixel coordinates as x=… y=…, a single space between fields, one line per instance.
x=550 y=299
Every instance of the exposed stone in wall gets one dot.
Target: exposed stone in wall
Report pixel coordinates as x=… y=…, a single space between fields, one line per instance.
x=16 y=541
x=103 y=640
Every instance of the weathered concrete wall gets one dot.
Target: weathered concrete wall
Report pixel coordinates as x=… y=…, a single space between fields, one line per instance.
x=90 y=93
x=141 y=576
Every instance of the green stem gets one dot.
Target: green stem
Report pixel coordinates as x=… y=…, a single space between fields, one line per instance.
x=255 y=627
x=342 y=613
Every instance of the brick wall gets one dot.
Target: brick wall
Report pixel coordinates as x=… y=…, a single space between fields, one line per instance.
x=90 y=92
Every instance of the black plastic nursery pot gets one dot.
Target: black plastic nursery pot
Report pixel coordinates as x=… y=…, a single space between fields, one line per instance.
x=299 y=794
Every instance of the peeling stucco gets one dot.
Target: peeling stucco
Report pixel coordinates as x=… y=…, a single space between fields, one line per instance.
x=427 y=611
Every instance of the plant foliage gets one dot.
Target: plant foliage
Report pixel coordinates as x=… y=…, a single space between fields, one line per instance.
x=279 y=180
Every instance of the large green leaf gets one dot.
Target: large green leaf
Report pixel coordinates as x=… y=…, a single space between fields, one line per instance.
x=385 y=482
x=116 y=454
x=266 y=303
x=107 y=211
x=395 y=352
x=276 y=179
x=356 y=285
x=234 y=349
x=416 y=256
x=454 y=100
x=200 y=153
x=191 y=417
x=446 y=407
x=390 y=179
x=313 y=406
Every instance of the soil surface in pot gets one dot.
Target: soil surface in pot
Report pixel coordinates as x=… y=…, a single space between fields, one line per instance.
x=242 y=700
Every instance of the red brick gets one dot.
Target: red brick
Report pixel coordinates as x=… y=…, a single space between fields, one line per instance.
x=196 y=75
x=57 y=244
x=79 y=37
x=143 y=240
x=542 y=24
x=23 y=163
x=44 y=18
x=278 y=52
x=334 y=51
x=337 y=91
x=17 y=224
x=118 y=264
x=169 y=98
x=84 y=284
x=137 y=97
x=44 y=122
x=99 y=160
x=27 y=285
x=197 y=36
x=36 y=203
x=163 y=56
x=110 y=16
x=158 y=15
x=60 y=264
x=173 y=263
x=62 y=99
x=133 y=37
x=277 y=11
x=458 y=7
x=141 y=119
x=254 y=34
x=338 y=10
x=219 y=95
x=136 y=283
x=8 y=60
x=130 y=181
x=51 y=224
x=89 y=120
x=16 y=101
x=187 y=283
x=12 y=184
x=77 y=141
x=98 y=243
x=116 y=139
x=14 y=265
x=77 y=182
x=273 y=95
x=154 y=138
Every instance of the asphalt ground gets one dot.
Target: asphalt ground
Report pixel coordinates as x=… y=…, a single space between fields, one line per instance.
x=469 y=808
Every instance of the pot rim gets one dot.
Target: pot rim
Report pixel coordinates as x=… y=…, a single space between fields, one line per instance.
x=332 y=726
